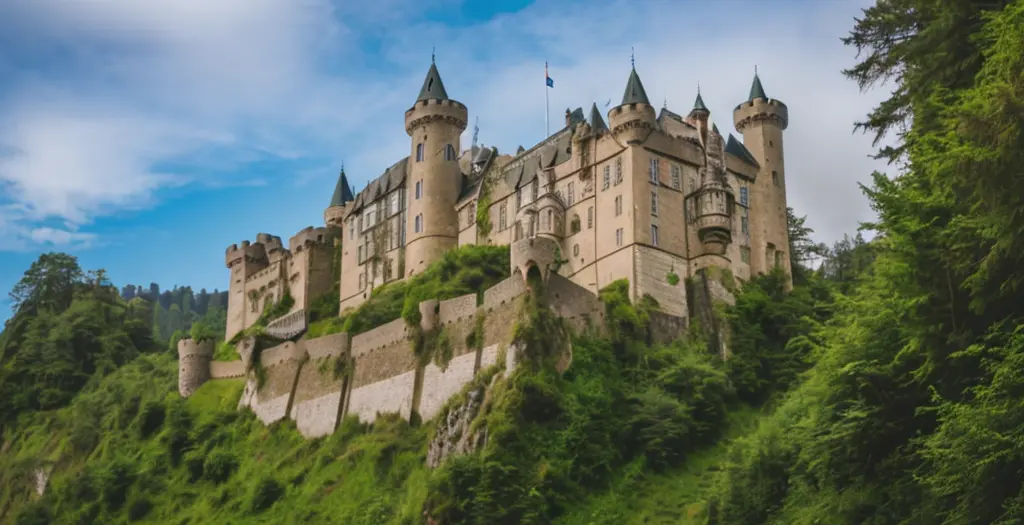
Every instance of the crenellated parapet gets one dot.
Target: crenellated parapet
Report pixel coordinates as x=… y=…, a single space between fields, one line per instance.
x=311 y=236
x=193 y=364
x=266 y=248
x=632 y=123
x=759 y=110
x=334 y=216
x=425 y=112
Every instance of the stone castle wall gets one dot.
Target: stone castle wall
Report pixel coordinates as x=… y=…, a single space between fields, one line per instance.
x=317 y=382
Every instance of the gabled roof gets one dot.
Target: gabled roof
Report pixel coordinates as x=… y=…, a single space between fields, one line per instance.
x=342 y=191
x=635 y=93
x=390 y=180
x=433 y=88
x=756 y=89
x=739 y=150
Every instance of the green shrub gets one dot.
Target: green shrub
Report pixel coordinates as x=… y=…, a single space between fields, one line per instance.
x=219 y=466
x=151 y=418
x=266 y=493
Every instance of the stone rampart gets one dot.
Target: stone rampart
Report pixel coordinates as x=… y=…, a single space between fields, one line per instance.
x=454 y=310
x=316 y=382
x=226 y=369
x=384 y=335
x=333 y=345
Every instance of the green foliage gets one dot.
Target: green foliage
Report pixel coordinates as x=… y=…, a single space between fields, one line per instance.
x=483 y=210
x=468 y=269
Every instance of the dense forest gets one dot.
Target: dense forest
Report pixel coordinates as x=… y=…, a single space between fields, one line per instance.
x=887 y=387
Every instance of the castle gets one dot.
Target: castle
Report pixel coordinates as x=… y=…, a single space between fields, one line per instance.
x=651 y=197
x=645 y=195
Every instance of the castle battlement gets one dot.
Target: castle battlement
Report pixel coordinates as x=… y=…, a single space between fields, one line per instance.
x=760 y=110
x=427 y=111
x=311 y=236
x=266 y=245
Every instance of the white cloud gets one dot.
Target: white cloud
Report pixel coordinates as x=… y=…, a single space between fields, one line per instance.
x=220 y=83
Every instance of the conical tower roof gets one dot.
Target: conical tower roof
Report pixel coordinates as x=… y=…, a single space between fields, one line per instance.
x=635 y=93
x=756 y=89
x=342 y=191
x=433 y=88
x=596 y=122
x=698 y=105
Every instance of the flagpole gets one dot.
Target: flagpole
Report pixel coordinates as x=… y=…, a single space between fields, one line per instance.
x=547 y=110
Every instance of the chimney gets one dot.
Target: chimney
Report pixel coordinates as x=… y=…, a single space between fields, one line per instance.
x=568 y=117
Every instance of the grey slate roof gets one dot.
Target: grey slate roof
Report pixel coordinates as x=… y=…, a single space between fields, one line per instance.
x=433 y=88
x=635 y=93
x=756 y=89
x=342 y=191
x=391 y=179
x=698 y=105
x=738 y=149
x=596 y=122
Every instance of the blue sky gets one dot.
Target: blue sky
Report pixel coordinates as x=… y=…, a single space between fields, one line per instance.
x=146 y=137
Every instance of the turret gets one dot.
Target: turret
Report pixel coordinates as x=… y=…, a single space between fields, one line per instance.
x=714 y=200
x=334 y=215
x=243 y=261
x=633 y=120
x=435 y=124
x=699 y=116
x=762 y=120
x=193 y=365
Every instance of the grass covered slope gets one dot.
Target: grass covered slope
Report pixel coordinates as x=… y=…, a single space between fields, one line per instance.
x=625 y=415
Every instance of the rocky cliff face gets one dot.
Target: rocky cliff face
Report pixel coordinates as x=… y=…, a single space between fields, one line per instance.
x=455 y=435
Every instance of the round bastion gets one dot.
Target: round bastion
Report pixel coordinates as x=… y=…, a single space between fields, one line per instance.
x=193 y=365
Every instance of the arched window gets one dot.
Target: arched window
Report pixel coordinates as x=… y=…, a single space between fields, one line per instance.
x=449 y=152
x=551 y=219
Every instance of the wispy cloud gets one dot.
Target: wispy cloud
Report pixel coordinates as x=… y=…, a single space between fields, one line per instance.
x=112 y=102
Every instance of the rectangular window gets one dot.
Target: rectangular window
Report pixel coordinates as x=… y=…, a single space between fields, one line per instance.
x=590 y=217
x=571 y=194
x=418 y=226
x=351 y=230
x=419 y=152
x=618 y=171
x=502 y=217
x=744 y=196
x=618 y=205
x=449 y=152
x=395 y=203
x=775 y=178
x=745 y=254
x=534 y=190
x=744 y=225
x=360 y=257
x=419 y=189
x=618 y=237
x=653 y=171
x=654 y=202
x=676 y=177
x=654 y=235
x=607 y=177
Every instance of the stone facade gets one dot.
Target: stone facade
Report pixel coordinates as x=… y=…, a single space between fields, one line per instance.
x=653 y=197
x=193 y=365
x=648 y=194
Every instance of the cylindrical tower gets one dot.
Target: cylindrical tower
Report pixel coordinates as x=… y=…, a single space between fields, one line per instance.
x=762 y=120
x=435 y=124
x=193 y=365
x=632 y=121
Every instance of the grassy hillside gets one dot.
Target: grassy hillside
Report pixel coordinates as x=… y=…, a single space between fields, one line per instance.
x=623 y=417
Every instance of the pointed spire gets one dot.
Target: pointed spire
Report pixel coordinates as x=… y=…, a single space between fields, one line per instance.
x=342 y=190
x=756 y=89
x=433 y=88
x=635 y=93
x=698 y=105
x=596 y=122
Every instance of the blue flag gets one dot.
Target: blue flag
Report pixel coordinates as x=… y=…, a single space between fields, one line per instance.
x=547 y=78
